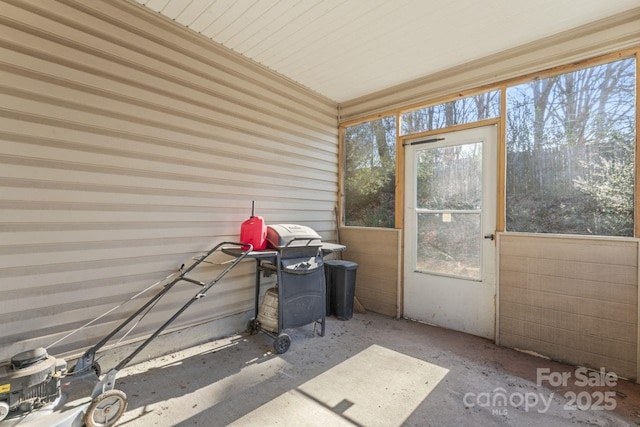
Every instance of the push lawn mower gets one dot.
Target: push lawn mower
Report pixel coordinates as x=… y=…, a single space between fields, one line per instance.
x=37 y=390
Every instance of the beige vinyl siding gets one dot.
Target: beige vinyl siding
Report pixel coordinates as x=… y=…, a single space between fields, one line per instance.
x=572 y=299
x=618 y=32
x=129 y=145
x=377 y=252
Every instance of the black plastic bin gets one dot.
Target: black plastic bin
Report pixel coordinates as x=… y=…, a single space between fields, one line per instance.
x=341 y=287
x=301 y=297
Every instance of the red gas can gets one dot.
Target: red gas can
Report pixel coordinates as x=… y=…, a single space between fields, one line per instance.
x=254 y=231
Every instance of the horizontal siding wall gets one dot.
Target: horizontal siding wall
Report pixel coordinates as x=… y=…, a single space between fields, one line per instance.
x=574 y=300
x=377 y=252
x=129 y=145
x=607 y=35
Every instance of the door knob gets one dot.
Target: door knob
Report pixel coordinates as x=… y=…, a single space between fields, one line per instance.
x=489 y=236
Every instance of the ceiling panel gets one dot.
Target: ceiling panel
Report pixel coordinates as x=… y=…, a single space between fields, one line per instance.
x=344 y=49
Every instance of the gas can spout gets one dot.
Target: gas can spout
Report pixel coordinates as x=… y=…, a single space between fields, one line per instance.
x=253 y=208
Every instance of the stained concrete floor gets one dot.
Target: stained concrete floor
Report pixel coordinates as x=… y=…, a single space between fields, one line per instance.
x=369 y=371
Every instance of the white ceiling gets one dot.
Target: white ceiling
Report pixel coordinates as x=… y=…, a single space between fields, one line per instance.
x=344 y=49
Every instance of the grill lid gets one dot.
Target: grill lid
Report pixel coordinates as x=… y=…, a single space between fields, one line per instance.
x=281 y=235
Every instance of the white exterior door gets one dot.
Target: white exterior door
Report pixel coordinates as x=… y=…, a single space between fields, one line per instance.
x=450 y=221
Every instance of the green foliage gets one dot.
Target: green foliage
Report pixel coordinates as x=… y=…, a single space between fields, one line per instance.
x=570 y=156
x=570 y=152
x=370 y=174
x=609 y=190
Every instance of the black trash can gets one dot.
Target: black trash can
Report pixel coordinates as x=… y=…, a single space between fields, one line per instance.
x=341 y=287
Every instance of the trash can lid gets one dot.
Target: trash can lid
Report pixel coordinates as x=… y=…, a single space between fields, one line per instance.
x=347 y=265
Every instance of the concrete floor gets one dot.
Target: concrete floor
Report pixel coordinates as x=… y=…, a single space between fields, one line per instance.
x=369 y=371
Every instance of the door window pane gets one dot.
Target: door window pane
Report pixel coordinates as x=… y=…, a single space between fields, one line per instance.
x=448 y=206
x=449 y=243
x=450 y=177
